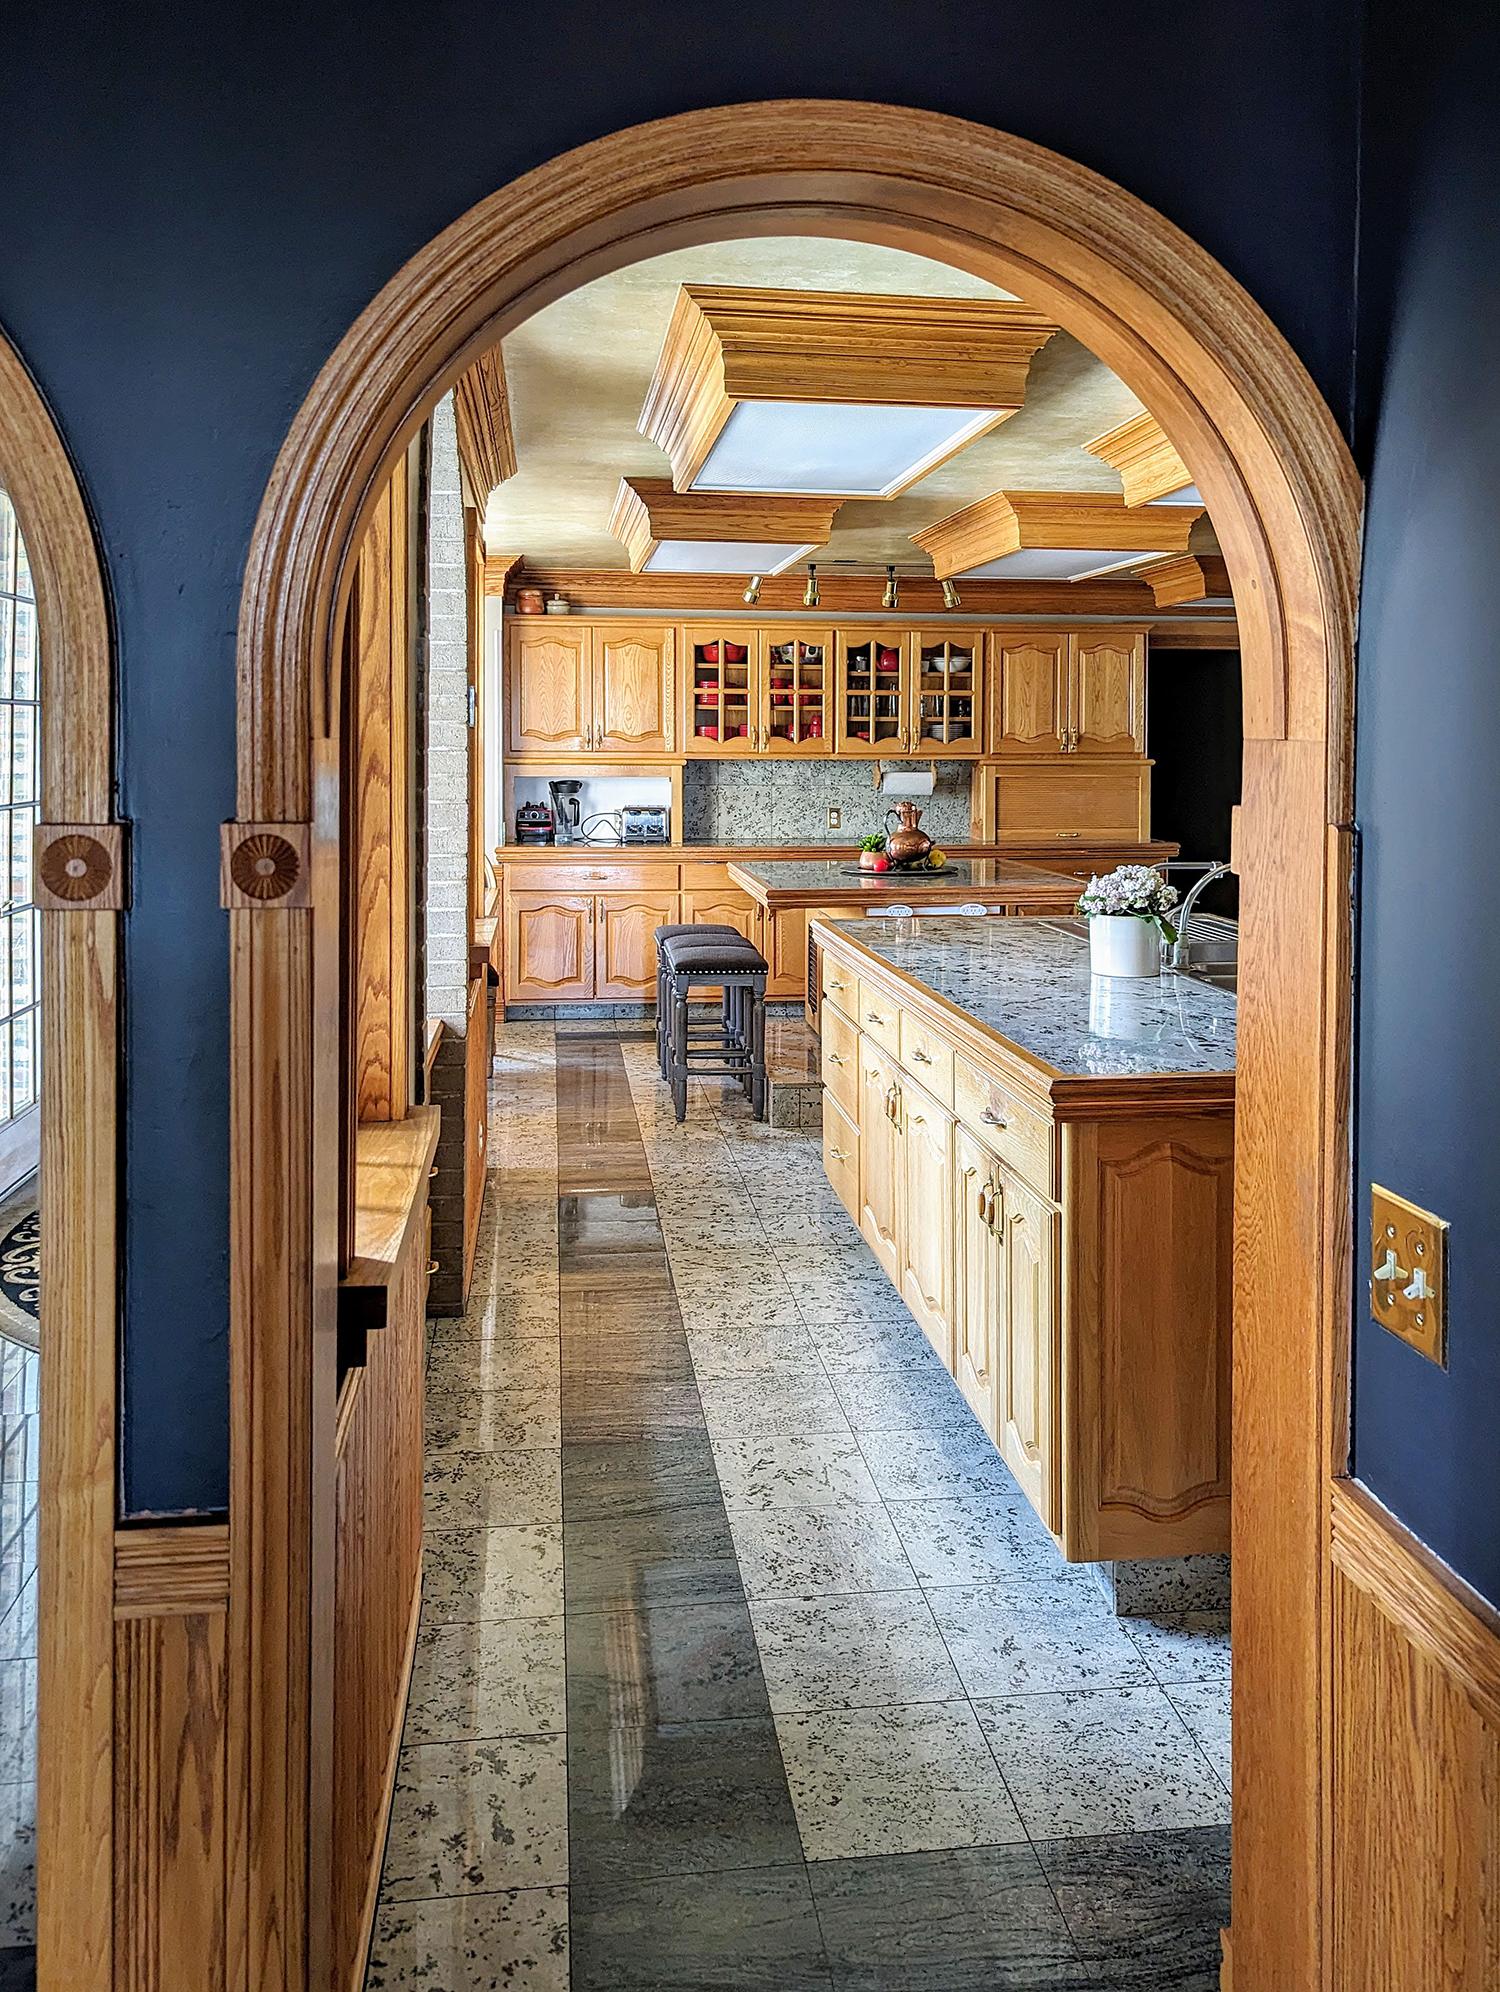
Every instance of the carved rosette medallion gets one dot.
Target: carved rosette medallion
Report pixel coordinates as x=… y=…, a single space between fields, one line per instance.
x=264 y=865
x=80 y=867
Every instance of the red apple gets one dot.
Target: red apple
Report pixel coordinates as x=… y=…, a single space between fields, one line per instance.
x=880 y=862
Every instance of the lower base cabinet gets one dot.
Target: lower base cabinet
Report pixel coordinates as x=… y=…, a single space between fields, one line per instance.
x=1087 y=1327
x=582 y=948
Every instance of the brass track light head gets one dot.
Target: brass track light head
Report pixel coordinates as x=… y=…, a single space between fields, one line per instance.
x=891 y=599
x=810 y=592
x=752 y=593
x=951 y=596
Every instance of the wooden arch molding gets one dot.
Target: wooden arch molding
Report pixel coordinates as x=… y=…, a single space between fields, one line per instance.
x=80 y=866
x=1264 y=450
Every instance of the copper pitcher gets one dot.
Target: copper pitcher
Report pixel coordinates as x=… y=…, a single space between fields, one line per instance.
x=908 y=845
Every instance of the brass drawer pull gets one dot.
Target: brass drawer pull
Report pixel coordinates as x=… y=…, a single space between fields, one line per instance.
x=837 y=1155
x=834 y=1059
x=872 y=1018
x=919 y=1057
x=992 y=1119
x=432 y=1266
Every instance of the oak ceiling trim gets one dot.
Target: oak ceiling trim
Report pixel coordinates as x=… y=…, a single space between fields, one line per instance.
x=724 y=346
x=80 y=980
x=1008 y=521
x=1144 y=455
x=648 y=510
x=1276 y=475
x=481 y=411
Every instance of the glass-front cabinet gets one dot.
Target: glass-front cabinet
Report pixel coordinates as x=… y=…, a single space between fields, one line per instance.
x=874 y=691
x=796 y=681
x=721 y=666
x=948 y=691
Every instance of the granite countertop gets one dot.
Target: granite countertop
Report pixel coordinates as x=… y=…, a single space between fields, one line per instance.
x=1029 y=982
x=839 y=875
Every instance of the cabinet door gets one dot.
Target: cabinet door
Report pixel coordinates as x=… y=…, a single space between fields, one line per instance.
x=725 y=906
x=926 y=1232
x=1028 y=693
x=625 y=943
x=1109 y=694
x=948 y=692
x=547 y=689
x=873 y=687
x=978 y=1270
x=551 y=951
x=796 y=692
x=880 y=1184
x=1029 y=1359
x=721 y=690
x=634 y=690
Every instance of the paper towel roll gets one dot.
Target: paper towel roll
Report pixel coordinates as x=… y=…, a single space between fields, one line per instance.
x=907 y=781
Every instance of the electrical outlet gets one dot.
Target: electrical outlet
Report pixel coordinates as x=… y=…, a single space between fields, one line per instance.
x=1409 y=1273
x=835 y=818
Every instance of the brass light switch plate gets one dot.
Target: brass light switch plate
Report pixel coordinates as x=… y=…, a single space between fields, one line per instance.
x=1409 y=1273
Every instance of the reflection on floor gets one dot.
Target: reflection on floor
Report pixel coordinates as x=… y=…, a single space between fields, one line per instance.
x=743 y=1662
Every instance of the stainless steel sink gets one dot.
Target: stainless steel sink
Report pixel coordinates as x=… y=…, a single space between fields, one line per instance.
x=1217 y=974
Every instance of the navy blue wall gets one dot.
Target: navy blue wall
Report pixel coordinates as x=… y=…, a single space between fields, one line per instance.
x=197 y=202
x=1429 y=753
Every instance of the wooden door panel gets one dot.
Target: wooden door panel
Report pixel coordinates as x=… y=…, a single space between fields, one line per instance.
x=926 y=1231
x=547 y=690
x=1109 y=695
x=634 y=691
x=551 y=948
x=1029 y=1374
x=725 y=907
x=978 y=1212
x=879 y=1158
x=1029 y=694
x=625 y=943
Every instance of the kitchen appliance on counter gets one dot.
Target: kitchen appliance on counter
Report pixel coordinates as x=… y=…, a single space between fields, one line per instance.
x=566 y=815
x=533 y=823
x=644 y=824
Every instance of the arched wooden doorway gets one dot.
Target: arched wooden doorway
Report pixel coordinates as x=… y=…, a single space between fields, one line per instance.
x=80 y=888
x=1266 y=454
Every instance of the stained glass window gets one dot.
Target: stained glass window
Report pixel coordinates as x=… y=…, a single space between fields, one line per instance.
x=20 y=770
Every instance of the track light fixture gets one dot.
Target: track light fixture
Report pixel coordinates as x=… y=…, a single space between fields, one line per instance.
x=810 y=592
x=891 y=599
x=752 y=593
x=951 y=596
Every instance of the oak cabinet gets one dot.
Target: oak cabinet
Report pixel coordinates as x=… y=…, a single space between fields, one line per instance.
x=925 y=1133
x=722 y=906
x=841 y=1155
x=625 y=943
x=1073 y=801
x=947 y=692
x=880 y=1173
x=757 y=691
x=550 y=953
x=1029 y=1379
x=978 y=1274
x=591 y=689
x=1056 y=692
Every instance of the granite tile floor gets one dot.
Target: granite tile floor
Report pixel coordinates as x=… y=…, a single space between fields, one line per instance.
x=743 y=1661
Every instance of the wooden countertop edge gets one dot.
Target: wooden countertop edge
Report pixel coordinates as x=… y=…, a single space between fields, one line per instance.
x=391 y=1164
x=1056 y=1093
x=929 y=887
x=719 y=854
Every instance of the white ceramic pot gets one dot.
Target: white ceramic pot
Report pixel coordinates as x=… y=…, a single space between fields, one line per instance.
x=1124 y=944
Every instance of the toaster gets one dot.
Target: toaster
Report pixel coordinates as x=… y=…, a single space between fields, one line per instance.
x=643 y=825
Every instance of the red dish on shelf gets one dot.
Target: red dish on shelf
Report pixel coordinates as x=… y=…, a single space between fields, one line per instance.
x=735 y=653
x=708 y=733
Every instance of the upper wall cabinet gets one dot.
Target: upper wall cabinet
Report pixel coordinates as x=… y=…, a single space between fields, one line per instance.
x=602 y=688
x=752 y=691
x=873 y=680
x=1054 y=692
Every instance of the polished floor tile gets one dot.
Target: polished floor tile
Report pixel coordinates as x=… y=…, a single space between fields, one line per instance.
x=1018 y=1640
x=743 y=1930
x=491 y=1420
x=976 y=1541
x=815 y=1552
x=1183 y=1647
x=474 y=1574
x=529 y=1364
x=602 y=1410
x=791 y=1470
x=500 y=1677
x=683 y=1556
x=1205 y=1707
x=620 y=1480
x=896 y=1780
x=979 y=1919
x=732 y=1348
x=858 y=1650
x=1117 y=1761
x=1147 y=1908
x=471 y=1818
x=897 y=1400
x=643 y=1664
x=875 y=1342
x=475 y=1490
x=512 y=1942
x=785 y=1401
x=951 y=1464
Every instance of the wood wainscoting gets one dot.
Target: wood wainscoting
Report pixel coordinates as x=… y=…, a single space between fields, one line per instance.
x=1414 y=1763
x=171 y=1758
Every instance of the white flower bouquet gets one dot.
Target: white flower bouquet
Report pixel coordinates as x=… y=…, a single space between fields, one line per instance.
x=1131 y=892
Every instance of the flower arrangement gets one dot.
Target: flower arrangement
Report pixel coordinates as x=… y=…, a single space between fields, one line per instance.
x=1131 y=892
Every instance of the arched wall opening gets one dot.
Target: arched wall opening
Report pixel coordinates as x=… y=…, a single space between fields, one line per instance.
x=1266 y=454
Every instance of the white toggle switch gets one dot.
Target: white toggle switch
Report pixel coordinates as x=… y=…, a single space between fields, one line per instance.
x=1421 y=1287
x=1390 y=1270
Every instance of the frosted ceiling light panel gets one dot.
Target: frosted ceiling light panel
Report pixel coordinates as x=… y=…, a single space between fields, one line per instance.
x=1056 y=563
x=835 y=448
x=724 y=557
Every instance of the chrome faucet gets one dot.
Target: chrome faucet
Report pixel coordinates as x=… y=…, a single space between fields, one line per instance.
x=1182 y=951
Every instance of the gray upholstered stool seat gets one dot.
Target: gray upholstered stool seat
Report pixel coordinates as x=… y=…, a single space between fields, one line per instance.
x=736 y=1046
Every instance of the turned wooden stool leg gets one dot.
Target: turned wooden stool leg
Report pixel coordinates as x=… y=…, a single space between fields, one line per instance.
x=679 y=1045
x=757 y=996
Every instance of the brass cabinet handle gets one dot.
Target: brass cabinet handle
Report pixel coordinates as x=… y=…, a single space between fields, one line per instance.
x=919 y=1057
x=831 y=984
x=837 y=1155
x=834 y=1059
x=872 y=1018
x=432 y=1266
x=992 y=1119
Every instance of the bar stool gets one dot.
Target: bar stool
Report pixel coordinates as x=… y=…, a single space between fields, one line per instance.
x=702 y=928
x=736 y=1047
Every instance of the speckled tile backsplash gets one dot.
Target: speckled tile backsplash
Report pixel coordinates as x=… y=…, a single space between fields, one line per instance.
x=777 y=802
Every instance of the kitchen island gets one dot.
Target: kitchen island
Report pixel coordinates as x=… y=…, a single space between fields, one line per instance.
x=999 y=884
x=1043 y=1163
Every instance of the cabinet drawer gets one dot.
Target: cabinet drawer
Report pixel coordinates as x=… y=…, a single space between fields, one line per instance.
x=706 y=876
x=840 y=986
x=597 y=875
x=879 y=1017
x=1018 y=1134
x=841 y=1155
x=841 y=1059
x=927 y=1057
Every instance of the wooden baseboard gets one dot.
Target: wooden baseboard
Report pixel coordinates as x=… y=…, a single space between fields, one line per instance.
x=387 y=1795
